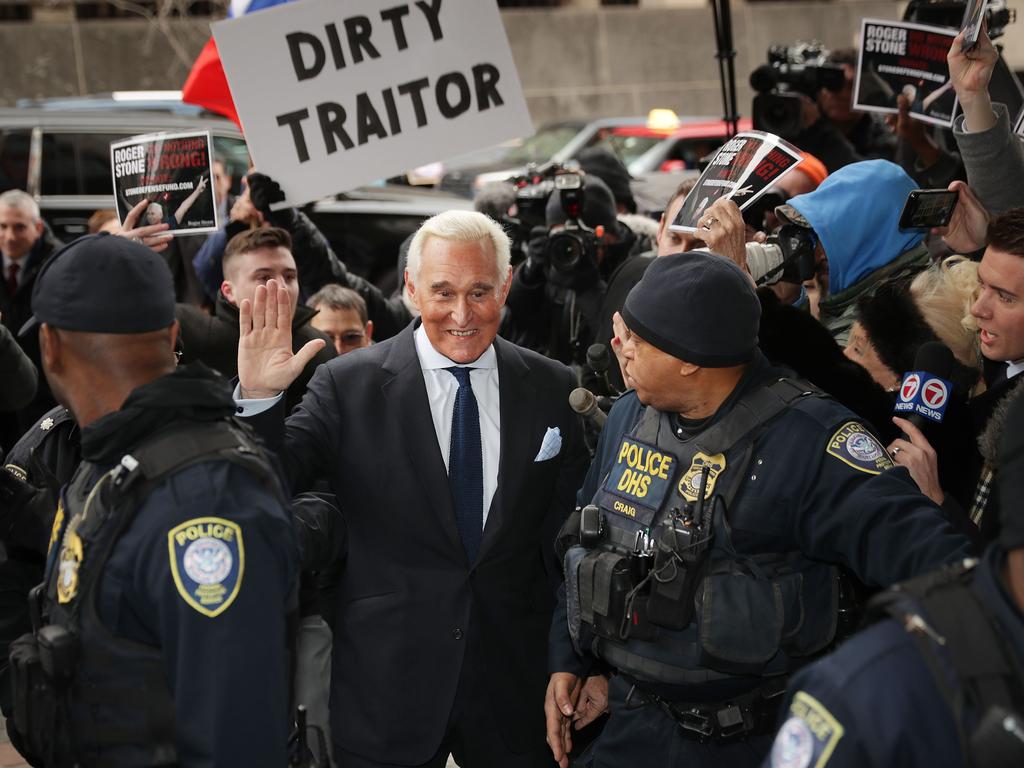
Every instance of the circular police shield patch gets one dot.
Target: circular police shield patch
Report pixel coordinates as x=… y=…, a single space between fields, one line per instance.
x=794 y=745
x=207 y=561
x=863 y=447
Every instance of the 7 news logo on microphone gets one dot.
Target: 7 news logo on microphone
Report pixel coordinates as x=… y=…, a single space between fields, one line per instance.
x=925 y=394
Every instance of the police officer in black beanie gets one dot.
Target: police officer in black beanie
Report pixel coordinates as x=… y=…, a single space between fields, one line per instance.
x=938 y=680
x=702 y=567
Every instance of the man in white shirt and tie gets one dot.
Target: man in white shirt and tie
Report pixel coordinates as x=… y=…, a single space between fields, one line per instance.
x=456 y=458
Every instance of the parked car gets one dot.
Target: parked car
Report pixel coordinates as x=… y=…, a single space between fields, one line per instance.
x=684 y=147
x=643 y=144
x=62 y=158
x=626 y=137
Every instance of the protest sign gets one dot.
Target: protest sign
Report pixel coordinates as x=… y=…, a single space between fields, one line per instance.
x=901 y=58
x=743 y=169
x=172 y=171
x=333 y=95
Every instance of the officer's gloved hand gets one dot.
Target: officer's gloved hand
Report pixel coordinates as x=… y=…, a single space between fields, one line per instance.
x=536 y=256
x=319 y=529
x=264 y=192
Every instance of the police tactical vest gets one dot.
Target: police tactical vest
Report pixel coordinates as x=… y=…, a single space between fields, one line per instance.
x=101 y=699
x=952 y=627
x=654 y=585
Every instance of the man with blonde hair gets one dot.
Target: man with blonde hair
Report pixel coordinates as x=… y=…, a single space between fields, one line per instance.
x=455 y=458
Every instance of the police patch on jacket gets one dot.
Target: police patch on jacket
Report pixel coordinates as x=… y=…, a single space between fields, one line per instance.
x=642 y=474
x=852 y=444
x=207 y=562
x=808 y=738
x=689 y=486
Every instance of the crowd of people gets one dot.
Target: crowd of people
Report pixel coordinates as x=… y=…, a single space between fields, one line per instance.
x=254 y=511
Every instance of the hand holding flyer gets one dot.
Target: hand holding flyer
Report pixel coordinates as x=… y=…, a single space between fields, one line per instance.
x=169 y=172
x=743 y=170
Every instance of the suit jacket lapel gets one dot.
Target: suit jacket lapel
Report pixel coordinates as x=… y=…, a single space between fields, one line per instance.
x=407 y=395
x=517 y=429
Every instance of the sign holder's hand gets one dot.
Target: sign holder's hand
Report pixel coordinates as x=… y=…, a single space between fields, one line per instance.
x=149 y=235
x=970 y=74
x=721 y=226
x=266 y=364
x=559 y=708
x=918 y=456
x=968 y=226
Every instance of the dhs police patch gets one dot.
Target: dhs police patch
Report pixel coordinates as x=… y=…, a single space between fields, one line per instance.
x=207 y=562
x=853 y=445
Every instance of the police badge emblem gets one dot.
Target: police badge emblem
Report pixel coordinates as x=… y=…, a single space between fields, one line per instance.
x=853 y=445
x=689 y=486
x=207 y=558
x=68 y=563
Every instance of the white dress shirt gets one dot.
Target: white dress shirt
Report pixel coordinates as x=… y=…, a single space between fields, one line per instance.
x=442 y=387
x=1013 y=368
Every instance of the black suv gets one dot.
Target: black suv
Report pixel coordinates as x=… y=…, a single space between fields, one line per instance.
x=61 y=156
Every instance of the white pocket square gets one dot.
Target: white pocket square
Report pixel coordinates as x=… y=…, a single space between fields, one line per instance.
x=550 y=445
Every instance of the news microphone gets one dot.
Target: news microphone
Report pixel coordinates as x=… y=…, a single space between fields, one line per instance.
x=925 y=392
x=585 y=404
x=764 y=78
x=598 y=361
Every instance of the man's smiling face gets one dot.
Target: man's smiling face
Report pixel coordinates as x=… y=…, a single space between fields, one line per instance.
x=459 y=296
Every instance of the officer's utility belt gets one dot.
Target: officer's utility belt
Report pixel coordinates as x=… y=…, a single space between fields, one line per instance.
x=741 y=717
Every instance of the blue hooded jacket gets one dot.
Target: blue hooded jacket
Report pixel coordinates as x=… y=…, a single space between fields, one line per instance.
x=855 y=213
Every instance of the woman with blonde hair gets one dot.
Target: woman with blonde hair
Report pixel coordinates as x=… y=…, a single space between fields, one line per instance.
x=944 y=294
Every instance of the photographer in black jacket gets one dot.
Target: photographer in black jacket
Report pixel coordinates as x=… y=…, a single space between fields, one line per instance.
x=556 y=294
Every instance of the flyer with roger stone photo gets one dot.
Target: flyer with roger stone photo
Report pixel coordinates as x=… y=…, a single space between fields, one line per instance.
x=898 y=58
x=743 y=169
x=170 y=170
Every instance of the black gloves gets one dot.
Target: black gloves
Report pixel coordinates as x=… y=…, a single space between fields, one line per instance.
x=264 y=192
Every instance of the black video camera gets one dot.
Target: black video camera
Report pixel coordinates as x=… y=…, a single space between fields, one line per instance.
x=570 y=246
x=533 y=188
x=801 y=68
x=950 y=13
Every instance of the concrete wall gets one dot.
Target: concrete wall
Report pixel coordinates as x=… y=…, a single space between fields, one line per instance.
x=573 y=61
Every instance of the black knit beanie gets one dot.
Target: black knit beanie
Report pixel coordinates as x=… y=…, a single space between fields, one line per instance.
x=696 y=306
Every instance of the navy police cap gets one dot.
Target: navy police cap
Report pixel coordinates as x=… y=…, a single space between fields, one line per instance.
x=103 y=284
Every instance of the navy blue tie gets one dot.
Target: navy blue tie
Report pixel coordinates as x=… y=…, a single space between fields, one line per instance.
x=466 y=465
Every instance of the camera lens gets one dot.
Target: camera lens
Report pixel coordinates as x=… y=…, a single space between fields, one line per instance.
x=565 y=251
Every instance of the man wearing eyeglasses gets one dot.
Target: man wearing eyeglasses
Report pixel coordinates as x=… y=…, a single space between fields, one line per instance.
x=341 y=316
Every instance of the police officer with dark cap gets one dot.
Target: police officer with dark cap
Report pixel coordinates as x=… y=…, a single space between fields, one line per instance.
x=702 y=568
x=939 y=679
x=160 y=629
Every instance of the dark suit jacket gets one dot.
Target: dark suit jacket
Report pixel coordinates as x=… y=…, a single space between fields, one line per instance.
x=409 y=601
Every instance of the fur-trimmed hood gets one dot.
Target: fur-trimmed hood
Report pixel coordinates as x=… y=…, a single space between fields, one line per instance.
x=990 y=437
